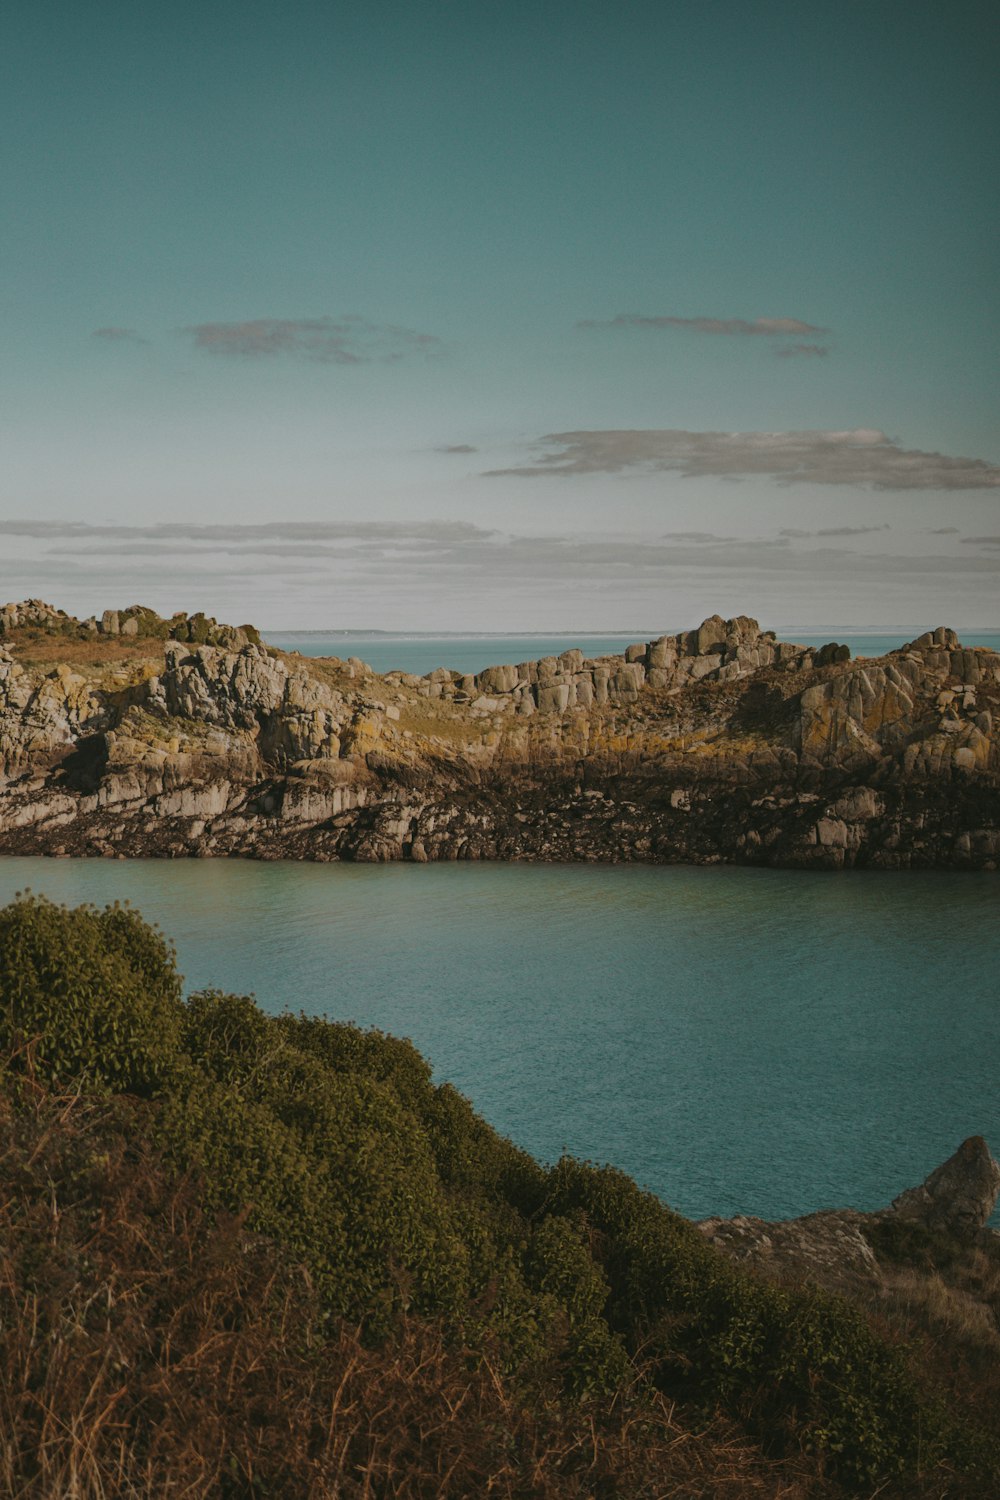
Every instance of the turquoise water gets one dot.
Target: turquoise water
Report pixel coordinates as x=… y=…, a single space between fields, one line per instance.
x=421 y=654
x=761 y=1041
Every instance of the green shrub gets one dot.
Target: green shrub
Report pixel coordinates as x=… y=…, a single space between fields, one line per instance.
x=369 y=1214
x=336 y=1145
x=150 y=624
x=345 y=1049
x=199 y=629
x=796 y=1365
x=88 y=996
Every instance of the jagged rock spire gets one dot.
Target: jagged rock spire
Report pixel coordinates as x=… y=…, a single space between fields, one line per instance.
x=959 y=1196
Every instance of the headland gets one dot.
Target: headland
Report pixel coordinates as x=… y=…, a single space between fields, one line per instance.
x=141 y=736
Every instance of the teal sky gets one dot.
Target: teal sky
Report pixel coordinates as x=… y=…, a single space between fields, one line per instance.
x=702 y=299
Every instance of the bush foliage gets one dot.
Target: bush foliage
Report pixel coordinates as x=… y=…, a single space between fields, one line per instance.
x=400 y=1203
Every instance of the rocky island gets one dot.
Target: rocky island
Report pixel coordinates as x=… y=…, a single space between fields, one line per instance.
x=137 y=735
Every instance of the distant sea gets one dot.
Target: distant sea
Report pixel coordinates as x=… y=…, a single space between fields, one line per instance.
x=472 y=653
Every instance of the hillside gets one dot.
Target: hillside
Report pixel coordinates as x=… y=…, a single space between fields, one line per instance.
x=245 y=1255
x=141 y=736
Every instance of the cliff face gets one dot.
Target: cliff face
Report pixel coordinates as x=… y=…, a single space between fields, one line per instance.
x=719 y=744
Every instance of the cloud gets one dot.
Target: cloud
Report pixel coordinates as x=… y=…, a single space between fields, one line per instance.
x=851 y=530
x=864 y=457
x=768 y=327
x=696 y=538
x=457 y=448
x=791 y=531
x=118 y=336
x=170 y=532
x=802 y=351
x=375 y=548
x=981 y=541
x=455 y=575
x=942 y=531
x=347 y=340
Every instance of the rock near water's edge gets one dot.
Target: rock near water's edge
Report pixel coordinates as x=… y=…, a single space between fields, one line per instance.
x=839 y=1246
x=719 y=744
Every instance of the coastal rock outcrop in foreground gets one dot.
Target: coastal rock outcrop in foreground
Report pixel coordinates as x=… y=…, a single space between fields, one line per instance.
x=841 y=1246
x=135 y=735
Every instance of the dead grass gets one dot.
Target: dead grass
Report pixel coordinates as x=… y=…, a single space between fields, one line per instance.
x=40 y=649
x=950 y=1314
x=145 y=1350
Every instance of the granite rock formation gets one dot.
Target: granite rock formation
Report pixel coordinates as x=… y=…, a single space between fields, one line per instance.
x=838 y=1247
x=137 y=735
x=959 y=1196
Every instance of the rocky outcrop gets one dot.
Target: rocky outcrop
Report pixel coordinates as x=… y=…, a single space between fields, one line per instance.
x=33 y=614
x=716 y=744
x=718 y=651
x=958 y=1197
x=137 y=622
x=838 y=1247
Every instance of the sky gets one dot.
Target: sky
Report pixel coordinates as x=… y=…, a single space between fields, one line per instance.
x=413 y=314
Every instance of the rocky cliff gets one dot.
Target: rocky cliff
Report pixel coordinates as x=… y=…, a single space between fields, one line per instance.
x=135 y=735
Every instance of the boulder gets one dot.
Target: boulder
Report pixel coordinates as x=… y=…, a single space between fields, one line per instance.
x=711 y=634
x=704 y=665
x=502 y=679
x=834 y=1246
x=662 y=653
x=555 y=698
x=857 y=803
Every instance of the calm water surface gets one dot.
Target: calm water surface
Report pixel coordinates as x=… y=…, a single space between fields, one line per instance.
x=419 y=654
x=739 y=1040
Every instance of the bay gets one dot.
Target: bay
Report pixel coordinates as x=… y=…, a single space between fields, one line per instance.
x=757 y=1041
x=472 y=653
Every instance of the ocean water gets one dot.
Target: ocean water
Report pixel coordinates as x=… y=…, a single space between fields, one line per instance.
x=757 y=1041
x=420 y=654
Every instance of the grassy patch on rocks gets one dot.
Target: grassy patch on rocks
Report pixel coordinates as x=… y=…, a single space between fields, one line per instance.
x=91 y=656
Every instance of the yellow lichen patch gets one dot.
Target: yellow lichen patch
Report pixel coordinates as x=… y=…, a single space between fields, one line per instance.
x=363 y=735
x=822 y=726
x=427 y=718
x=173 y=735
x=889 y=708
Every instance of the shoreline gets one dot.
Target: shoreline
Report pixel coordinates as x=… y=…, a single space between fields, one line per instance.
x=145 y=737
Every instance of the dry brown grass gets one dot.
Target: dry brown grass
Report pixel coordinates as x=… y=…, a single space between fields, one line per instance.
x=955 y=1311
x=147 y=1351
x=35 y=648
x=949 y=1312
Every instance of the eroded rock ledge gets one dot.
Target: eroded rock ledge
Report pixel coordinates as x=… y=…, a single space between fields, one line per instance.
x=838 y=1247
x=139 y=736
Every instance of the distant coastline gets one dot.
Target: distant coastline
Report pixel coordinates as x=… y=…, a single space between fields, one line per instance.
x=144 y=736
x=460 y=635
x=786 y=632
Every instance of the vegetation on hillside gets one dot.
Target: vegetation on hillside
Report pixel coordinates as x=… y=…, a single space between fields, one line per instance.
x=252 y=1255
